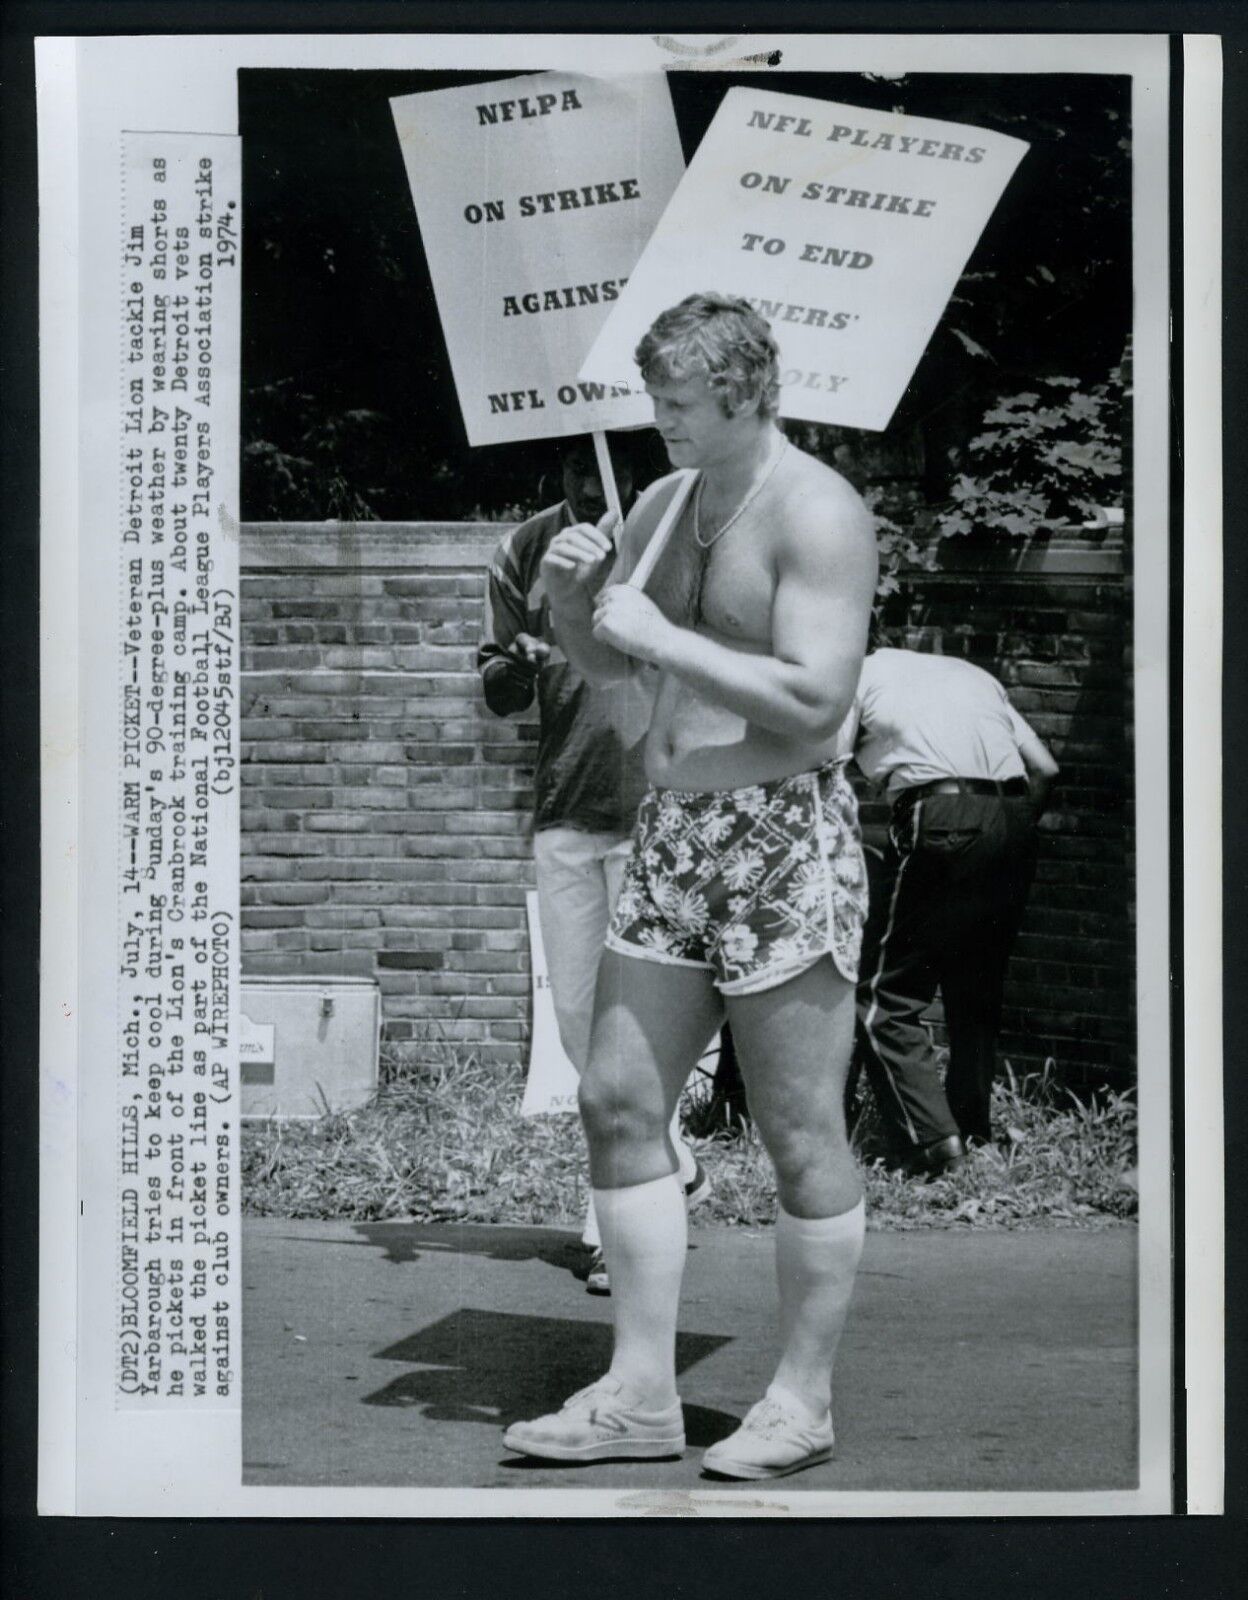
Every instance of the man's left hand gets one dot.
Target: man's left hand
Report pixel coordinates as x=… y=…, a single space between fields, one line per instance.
x=632 y=623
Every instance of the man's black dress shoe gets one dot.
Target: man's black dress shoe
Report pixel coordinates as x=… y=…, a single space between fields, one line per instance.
x=934 y=1160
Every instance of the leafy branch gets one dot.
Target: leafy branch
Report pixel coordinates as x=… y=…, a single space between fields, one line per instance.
x=1048 y=455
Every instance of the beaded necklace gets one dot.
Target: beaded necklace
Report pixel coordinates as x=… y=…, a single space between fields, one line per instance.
x=705 y=544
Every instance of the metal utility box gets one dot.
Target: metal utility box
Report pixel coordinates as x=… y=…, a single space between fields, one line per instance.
x=307 y=1045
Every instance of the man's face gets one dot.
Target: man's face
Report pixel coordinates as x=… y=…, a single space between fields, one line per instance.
x=582 y=487
x=691 y=420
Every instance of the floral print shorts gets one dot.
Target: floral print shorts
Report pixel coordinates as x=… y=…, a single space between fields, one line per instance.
x=753 y=885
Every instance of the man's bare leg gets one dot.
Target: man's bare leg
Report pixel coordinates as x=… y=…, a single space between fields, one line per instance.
x=794 y=1044
x=578 y=880
x=651 y=1023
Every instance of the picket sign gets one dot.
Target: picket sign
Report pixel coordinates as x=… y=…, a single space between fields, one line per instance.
x=550 y=1083
x=846 y=228
x=535 y=196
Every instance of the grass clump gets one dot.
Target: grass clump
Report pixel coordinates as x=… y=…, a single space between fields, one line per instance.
x=443 y=1140
x=1058 y=1160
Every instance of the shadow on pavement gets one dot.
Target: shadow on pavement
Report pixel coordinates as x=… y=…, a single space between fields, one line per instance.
x=496 y=1367
x=405 y=1241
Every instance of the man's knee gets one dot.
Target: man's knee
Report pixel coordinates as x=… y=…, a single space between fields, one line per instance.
x=616 y=1112
x=801 y=1153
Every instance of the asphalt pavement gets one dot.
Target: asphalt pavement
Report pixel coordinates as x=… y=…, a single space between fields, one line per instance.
x=394 y=1353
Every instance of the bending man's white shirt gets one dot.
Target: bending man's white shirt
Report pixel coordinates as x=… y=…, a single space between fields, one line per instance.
x=911 y=723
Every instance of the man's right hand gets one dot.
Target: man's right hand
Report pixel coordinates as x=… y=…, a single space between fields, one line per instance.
x=578 y=560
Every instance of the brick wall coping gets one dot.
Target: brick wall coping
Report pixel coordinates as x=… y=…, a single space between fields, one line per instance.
x=348 y=545
x=354 y=546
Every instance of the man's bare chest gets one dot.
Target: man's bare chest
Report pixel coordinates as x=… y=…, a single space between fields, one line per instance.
x=727 y=588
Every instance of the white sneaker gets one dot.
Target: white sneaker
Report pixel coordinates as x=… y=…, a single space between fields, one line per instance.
x=597 y=1425
x=772 y=1442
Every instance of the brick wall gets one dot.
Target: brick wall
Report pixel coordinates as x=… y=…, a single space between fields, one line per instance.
x=385 y=812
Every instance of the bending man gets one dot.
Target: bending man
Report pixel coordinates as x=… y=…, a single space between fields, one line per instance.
x=745 y=892
x=968 y=779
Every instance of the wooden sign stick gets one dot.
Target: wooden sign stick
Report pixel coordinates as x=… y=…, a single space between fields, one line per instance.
x=660 y=536
x=607 y=473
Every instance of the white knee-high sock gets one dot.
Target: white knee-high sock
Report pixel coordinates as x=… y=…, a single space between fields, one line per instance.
x=816 y=1259
x=644 y=1240
x=686 y=1172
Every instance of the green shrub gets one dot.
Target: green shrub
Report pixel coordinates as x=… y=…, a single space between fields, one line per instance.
x=1049 y=455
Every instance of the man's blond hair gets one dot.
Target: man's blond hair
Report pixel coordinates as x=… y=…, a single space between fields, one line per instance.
x=722 y=339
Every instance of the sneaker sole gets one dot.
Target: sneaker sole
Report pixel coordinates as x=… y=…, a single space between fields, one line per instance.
x=608 y=1450
x=740 y=1469
x=597 y=1288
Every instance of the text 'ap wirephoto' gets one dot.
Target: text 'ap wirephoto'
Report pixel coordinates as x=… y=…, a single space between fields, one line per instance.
x=846 y=228
x=535 y=196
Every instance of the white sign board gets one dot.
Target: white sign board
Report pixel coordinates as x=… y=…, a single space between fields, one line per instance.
x=847 y=229
x=551 y=1083
x=535 y=196
x=257 y=1041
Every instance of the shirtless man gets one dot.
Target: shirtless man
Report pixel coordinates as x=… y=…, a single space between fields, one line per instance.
x=746 y=889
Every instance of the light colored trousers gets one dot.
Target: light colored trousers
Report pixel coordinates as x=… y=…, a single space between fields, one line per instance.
x=578 y=878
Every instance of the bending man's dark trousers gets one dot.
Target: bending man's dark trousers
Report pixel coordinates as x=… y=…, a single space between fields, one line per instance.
x=944 y=915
